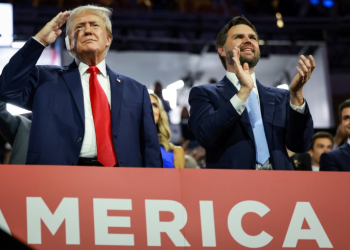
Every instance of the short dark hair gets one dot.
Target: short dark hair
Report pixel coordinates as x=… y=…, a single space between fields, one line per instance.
x=321 y=134
x=222 y=36
x=343 y=105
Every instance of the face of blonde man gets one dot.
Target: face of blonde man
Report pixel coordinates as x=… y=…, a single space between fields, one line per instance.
x=90 y=38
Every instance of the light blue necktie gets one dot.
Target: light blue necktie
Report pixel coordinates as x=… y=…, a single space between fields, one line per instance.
x=262 y=150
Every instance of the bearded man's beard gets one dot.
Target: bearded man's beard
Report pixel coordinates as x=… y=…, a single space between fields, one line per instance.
x=252 y=62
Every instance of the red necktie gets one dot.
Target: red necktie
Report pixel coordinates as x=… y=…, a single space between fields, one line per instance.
x=102 y=120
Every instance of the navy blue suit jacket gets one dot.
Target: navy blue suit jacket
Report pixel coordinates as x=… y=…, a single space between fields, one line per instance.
x=228 y=137
x=336 y=160
x=55 y=96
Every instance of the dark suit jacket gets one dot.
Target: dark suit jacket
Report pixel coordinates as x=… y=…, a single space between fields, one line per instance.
x=228 y=137
x=15 y=130
x=55 y=96
x=301 y=161
x=336 y=160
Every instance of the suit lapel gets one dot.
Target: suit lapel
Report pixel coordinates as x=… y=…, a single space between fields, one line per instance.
x=117 y=87
x=226 y=88
x=72 y=78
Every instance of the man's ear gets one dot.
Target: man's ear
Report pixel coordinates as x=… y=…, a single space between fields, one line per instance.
x=311 y=153
x=109 y=41
x=222 y=51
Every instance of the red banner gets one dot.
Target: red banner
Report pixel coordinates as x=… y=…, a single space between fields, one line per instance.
x=64 y=207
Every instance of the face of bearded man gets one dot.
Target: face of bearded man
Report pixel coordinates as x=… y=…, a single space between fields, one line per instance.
x=252 y=62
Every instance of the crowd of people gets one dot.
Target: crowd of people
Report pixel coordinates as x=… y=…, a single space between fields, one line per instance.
x=86 y=114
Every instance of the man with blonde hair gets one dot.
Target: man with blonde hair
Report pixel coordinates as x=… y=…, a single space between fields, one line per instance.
x=83 y=113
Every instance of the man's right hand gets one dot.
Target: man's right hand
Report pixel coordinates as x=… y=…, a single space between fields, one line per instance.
x=243 y=75
x=51 y=30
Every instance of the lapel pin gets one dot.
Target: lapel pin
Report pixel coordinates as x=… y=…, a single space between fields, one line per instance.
x=118 y=80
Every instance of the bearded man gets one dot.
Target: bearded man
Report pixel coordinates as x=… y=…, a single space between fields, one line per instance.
x=241 y=123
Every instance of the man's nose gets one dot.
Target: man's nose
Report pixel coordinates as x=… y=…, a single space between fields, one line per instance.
x=246 y=39
x=87 y=29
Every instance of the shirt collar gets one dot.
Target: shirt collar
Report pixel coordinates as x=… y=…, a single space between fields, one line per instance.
x=83 y=67
x=349 y=140
x=233 y=78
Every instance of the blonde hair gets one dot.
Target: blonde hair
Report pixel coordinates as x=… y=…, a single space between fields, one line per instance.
x=163 y=129
x=103 y=12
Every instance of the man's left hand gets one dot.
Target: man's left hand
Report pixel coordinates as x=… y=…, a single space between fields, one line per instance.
x=307 y=66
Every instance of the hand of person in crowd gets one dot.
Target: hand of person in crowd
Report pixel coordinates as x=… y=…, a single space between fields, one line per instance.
x=243 y=75
x=51 y=30
x=340 y=135
x=298 y=82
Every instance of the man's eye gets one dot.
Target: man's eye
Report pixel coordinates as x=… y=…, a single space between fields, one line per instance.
x=78 y=27
x=237 y=37
x=254 y=38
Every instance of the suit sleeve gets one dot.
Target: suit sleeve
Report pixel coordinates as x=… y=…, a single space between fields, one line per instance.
x=20 y=76
x=209 y=125
x=8 y=124
x=327 y=163
x=299 y=130
x=150 y=149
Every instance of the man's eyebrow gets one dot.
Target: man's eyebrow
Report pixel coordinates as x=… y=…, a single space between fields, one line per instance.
x=78 y=23
x=240 y=34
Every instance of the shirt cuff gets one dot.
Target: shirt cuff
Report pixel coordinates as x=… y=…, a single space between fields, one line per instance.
x=238 y=104
x=299 y=109
x=38 y=41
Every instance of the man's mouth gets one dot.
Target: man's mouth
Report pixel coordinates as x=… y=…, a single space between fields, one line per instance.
x=89 y=40
x=247 y=50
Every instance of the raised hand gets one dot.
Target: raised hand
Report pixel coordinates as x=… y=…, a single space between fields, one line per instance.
x=51 y=30
x=298 y=82
x=243 y=75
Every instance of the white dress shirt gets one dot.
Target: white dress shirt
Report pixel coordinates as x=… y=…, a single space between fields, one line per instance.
x=239 y=105
x=315 y=168
x=89 y=148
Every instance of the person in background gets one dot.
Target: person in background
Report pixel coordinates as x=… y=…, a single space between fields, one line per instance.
x=196 y=151
x=322 y=142
x=186 y=133
x=339 y=158
x=173 y=156
x=15 y=130
x=340 y=136
x=190 y=162
x=158 y=90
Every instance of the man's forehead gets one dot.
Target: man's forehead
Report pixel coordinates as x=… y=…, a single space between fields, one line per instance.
x=86 y=17
x=323 y=140
x=346 y=111
x=241 y=29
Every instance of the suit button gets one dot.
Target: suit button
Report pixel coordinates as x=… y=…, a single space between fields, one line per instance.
x=79 y=139
x=115 y=136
